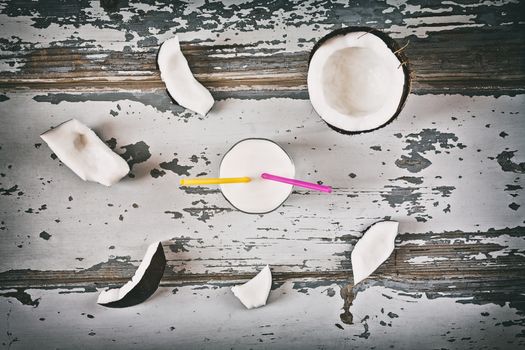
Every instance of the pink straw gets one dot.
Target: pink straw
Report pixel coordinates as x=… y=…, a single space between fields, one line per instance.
x=298 y=183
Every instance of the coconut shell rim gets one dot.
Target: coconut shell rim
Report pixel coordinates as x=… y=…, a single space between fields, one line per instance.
x=129 y=299
x=396 y=50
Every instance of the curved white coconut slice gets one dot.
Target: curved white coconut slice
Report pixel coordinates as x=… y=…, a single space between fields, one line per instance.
x=254 y=293
x=356 y=81
x=179 y=80
x=142 y=285
x=252 y=157
x=78 y=147
x=373 y=249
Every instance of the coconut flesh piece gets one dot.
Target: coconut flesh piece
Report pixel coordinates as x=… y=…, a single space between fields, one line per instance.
x=142 y=285
x=252 y=157
x=78 y=147
x=356 y=82
x=254 y=293
x=180 y=83
x=373 y=249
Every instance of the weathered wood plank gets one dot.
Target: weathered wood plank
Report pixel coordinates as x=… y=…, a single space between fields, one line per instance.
x=427 y=178
x=207 y=315
x=470 y=49
x=449 y=169
x=457 y=256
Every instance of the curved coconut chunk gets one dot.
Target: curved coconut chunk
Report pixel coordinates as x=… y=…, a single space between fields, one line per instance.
x=252 y=157
x=355 y=82
x=179 y=80
x=142 y=285
x=254 y=293
x=373 y=249
x=78 y=147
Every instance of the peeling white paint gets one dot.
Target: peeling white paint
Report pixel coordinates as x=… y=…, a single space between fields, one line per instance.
x=423 y=27
x=425 y=259
x=99 y=56
x=306 y=223
x=495 y=3
x=22 y=28
x=479 y=256
x=509 y=244
x=298 y=35
x=11 y=65
x=383 y=317
x=410 y=8
x=419 y=242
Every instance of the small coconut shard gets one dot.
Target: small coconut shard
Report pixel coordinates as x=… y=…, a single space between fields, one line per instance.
x=251 y=158
x=78 y=147
x=373 y=249
x=180 y=83
x=142 y=285
x=358 y=79
x=254 y=293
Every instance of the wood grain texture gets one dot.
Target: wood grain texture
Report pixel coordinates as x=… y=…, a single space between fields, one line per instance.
x=423 y=170
x=419 y=171
x=470 y=49
x=299 y=314
x=449 y=169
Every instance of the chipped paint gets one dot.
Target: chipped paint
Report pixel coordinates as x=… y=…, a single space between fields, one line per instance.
x=175 y=167
x=423 y=142
x=160 y=102
x=455 y=211
x=378 y=190
x=419 y=260
x=381 y=314
x=506 y=163
x=22 y=296
x=136 y=153
x=510 y=244
x=225 y=32
x=138 y=25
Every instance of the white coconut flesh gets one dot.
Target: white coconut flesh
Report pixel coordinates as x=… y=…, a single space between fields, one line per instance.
x=142 y=285
x=251 y=158
x=78 y=147
x=180 y=82
x=254 y=293
x=373 y=249
x=355 y=82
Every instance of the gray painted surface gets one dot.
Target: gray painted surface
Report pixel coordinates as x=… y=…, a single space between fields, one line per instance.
x=449 y=169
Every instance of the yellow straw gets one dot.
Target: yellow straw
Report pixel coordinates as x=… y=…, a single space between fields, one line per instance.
x=214 y=181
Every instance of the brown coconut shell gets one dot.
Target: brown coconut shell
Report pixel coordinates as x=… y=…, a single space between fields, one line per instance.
x=396 y=50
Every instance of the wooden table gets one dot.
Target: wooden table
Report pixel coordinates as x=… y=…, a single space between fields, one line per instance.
x=450 y=169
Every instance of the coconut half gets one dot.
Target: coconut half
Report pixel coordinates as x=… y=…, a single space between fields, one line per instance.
x=373 y=249
x=142 y=285
x=358 y=79
x=78 y=147
x=254 y=293
x=180 y=82
x=252 y=157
